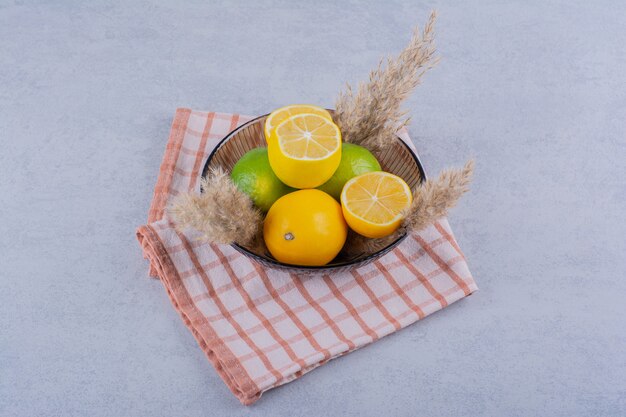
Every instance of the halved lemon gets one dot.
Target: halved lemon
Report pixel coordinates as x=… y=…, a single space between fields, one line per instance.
x=373 y=204
x=280 y=115
x=305 y=150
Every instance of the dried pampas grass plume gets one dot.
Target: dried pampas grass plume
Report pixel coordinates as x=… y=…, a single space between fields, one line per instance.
x=371 y=116
x=434 y=198
x=222 y=213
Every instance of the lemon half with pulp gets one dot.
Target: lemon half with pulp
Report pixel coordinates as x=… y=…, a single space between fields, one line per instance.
x=374 y=204
x=305 y=150
x=280 y=115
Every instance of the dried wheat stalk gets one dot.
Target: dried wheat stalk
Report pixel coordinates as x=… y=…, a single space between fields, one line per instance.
x=221 y=213
x=371 y=116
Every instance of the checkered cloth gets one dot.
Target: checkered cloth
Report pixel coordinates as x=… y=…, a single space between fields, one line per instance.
x=261 y=328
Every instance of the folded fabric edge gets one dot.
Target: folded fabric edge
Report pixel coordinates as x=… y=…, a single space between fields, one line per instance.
x=224 y=362
x=169 y=161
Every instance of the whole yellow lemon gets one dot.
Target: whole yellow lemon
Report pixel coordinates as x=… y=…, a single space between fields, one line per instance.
x=305 y=228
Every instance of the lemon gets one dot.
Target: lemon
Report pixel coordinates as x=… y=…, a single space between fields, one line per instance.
x=355 y=160
x=253 y=175
x=305 y=150
x=373 y=204
x=280 y=115
x=305 y=227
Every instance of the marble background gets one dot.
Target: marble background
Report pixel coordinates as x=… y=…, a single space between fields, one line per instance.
x=534 y=90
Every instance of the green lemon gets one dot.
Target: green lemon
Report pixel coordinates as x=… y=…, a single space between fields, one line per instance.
x=355 y=160
x=253 y=175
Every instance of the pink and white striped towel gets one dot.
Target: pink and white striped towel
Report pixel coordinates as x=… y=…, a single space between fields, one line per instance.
x=261 y=328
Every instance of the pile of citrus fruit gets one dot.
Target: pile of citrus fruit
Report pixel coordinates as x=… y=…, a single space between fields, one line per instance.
x=313 y=187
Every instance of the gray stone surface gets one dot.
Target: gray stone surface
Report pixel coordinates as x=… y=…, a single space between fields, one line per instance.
x=534 y=90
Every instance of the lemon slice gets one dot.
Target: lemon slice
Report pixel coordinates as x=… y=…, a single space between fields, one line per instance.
x=280 y=115
x=305 y=150
x=373 y=204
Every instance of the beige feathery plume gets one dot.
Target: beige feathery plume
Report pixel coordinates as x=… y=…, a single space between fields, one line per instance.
x=222 y=213
x=371 y=116
x=434 y=198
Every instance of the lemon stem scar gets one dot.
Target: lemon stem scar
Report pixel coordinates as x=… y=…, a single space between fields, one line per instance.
x=289 y=236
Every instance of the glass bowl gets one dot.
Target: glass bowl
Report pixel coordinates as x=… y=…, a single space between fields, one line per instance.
x=397 y=159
